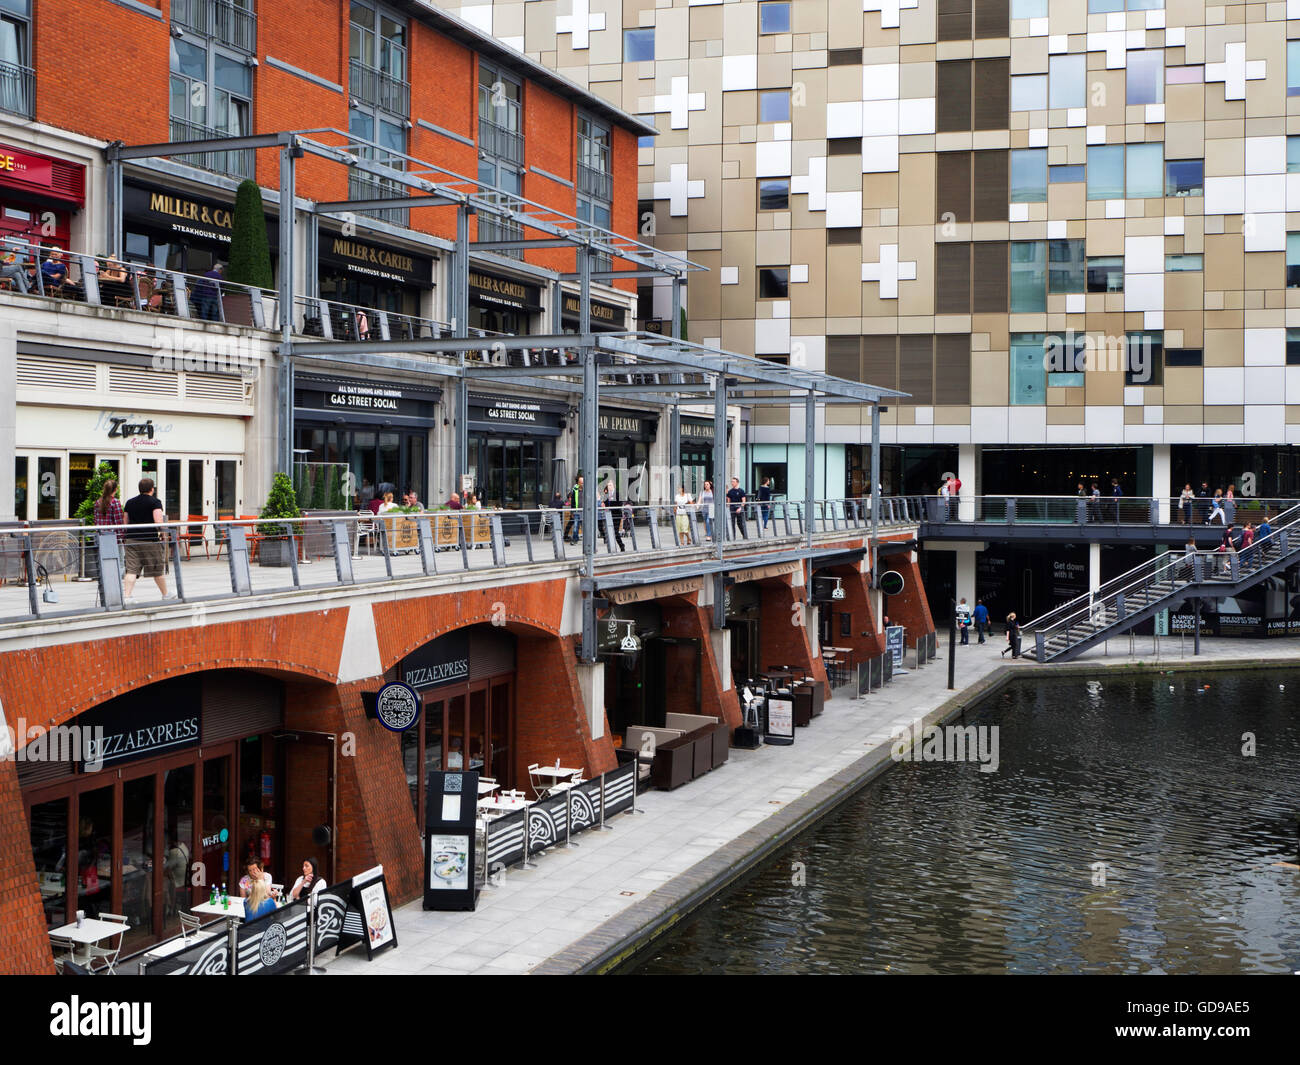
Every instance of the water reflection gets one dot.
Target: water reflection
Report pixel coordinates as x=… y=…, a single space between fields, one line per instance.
x=1124 y=832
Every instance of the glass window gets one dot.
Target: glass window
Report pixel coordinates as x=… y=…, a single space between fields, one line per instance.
x=774 y=106
x=774 y=194
x=1293 y=260
x=1184 y=177
x=1184 y=357
x=773 y=284
x=1057 y=174
x=639 y=45
x=1029 y=8
x=1293 y=155
x=1145 y=78
x=1102 y=7
x=1028 y=369
x=1183 y=263
x=1029 y=175
x=1067 y=81
x=1106 y=274
x=1062 y=355
x=1065 y=266
x=1029 y=92
x=1145 y=359
x=1293 y=68
x=1028 y=276
x=1292 y=348
x=1106 y=172
x=645 y=142
x=1144 y=170
x=773 y=18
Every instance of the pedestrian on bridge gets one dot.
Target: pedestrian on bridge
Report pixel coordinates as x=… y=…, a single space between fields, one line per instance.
x=1216 y=509
x=1185 y=504
x=982 y=616
x=963 y=621
x=1013 y=636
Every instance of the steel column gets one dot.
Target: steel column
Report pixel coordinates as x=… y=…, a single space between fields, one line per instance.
x=459 y=288
x=588 y=456
x=721 y=528
x=875 y=489
x=114 y=204
x=286 y=282
x=809 y=463
x=675 y=481
x=311 y=277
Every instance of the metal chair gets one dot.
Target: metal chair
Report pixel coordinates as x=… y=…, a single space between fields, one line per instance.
x=65 y=950
x=190 y=925
x=107 y=955
x=536 y=782
x=365 y=531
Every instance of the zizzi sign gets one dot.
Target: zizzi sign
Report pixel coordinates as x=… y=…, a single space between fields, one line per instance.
x=124 y=429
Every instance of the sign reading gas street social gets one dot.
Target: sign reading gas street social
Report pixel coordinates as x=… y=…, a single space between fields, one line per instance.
x=397 y=706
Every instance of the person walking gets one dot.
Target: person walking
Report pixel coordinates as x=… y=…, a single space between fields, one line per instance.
x=963 y=621
x=1247 y=544
x=108 y=509
x=575 y=501
x=682 y=517
x=1203 y=514
x=706 y=505
x=982 y=616
x=1185 y=503
x=736 y=498
x=1013 y=636
x=1216 y=509
x=1116 y=493
x=764 y=499
x=1094 y=503
x=144 y=547
x=1230 y=505
x=945 y=494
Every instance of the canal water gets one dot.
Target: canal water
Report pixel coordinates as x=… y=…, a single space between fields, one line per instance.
x=1123 y=831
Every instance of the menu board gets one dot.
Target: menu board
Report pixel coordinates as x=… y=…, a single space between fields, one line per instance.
x=780 y=720
x=376 y=915
x=448 y=863
x=894 y=643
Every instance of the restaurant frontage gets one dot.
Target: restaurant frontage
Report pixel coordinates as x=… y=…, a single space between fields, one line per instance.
x=366 y=274
x=171 y=228
x=512 y=445
x=466 y=684
x=605 y=317
x=502 y=304
x=626 y=437
x=39 y=194
x=696 y=449
x=187 y=778
x=378 y=429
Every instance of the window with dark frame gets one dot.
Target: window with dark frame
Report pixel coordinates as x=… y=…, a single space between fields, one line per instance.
x=773 y=194
x=17 y=77
x=773 y=283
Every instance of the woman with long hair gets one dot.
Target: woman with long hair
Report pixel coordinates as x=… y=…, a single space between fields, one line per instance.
x=108 y=508
x=309 y=883
x=259 y=902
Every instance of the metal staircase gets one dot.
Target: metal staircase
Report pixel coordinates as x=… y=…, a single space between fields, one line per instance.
x=1161 y=583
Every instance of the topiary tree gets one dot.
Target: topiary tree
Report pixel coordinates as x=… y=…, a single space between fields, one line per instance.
x=250 y=254
x=337 y=502
x=86 y=510
x=281 y=502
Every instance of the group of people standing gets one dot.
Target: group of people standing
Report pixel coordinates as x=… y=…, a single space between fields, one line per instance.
x=1202 y=508
x=979 y=618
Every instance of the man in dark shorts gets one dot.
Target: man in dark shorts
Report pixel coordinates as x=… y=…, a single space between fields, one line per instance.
x=144 y=550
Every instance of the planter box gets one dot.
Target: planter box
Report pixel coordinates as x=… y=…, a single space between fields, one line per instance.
x=403 y=533
x=276 y=551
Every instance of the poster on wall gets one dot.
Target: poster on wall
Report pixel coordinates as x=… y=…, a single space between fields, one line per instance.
x=1269 y=610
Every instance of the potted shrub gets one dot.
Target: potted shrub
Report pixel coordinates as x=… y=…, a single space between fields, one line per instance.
x=86 y=515
x=279 y=537
x=250 y=253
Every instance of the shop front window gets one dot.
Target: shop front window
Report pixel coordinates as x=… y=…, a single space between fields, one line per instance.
x=138 y=812
x=16 y=74
x=49 y=829
x=49 y=480
x=95 y=852
x=178 y=843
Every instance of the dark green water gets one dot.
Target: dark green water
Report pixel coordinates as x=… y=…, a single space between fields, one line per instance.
x=937 y=867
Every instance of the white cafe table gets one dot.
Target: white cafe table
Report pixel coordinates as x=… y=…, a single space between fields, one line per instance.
x=167 y=949
x=236 y=911
x=555 y=772
x=487 y=789
x=502 y=805
x=91 y=931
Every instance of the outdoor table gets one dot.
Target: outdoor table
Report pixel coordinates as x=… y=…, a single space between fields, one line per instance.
x=91 y=931
x=235 y=913
x=167 y=949
x=487 y=789
x=555 y=772
x=501 y=805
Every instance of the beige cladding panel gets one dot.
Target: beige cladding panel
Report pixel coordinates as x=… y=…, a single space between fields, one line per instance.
x=844 y=287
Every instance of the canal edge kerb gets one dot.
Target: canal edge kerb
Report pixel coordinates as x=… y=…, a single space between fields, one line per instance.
x=636 y=928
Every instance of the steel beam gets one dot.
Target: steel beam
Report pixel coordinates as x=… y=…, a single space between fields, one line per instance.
x=809 y=464
x=589 y=429
x=721 y=530
x=383 y=203
x=460 y=280
x=521 y=244
x=288 y=184
x=875 y=488
x=214 y=144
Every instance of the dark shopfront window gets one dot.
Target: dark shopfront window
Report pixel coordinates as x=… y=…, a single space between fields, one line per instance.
x=1275 y=471
x=628 y=459
x=373 y=456
x=499 y=320
x=341 y=286
x=1057 y=471
x=511 y=472
x=911 y=470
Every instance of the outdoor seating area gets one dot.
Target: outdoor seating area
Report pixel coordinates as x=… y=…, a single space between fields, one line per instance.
x=687 y=747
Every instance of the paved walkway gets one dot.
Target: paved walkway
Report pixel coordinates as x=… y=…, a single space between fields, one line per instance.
x=575 y=906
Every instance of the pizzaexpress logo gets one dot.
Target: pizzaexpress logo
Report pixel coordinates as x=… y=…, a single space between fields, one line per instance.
x=272 y=946
x=397 y=707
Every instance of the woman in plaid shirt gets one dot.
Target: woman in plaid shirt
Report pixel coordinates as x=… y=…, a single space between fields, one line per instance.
x=108 y=509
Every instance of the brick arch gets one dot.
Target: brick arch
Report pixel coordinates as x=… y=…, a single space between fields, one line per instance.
x=50 y=685
x=528 y=610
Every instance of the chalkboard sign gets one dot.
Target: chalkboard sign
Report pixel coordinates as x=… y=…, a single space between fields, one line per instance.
x=894 y=643
x=449 y=842
x=778 y=720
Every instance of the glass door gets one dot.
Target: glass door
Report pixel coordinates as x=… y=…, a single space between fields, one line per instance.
x=456 y=732
x=479 y=737
x=227 y=488
x=48 y=822
x=215 y=818
x=499 y=752
x=94 y=886
x=137 y=868
x=178 y=844
x=49 y=487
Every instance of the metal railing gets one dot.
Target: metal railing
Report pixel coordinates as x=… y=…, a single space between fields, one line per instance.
x=332 y=320
x=1106 y=510
x=205 y=561
x=597 y=183
x=1158 y=578
x=363 y=186
x=379 y=88
x=229 y=23
x=235 y=162
x=499 y=142
x=17 y=90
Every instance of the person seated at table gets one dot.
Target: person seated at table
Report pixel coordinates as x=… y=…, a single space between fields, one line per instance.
x=54 y=273
x=253 y=872
x=387 y=504
x=455 y=757
x=11 y=270
x=259 y=902
x=309 y=883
